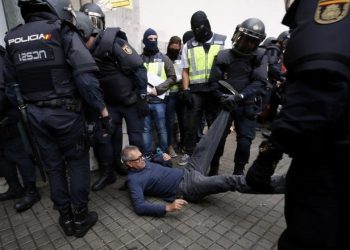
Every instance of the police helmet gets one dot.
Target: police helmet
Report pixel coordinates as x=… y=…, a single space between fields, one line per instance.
x=84 y=26
x=268 y=41
x=283 y=38
x=248 y=35
x=61 y=8
x=95 y=13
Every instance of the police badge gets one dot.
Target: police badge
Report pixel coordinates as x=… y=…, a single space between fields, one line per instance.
x=128 y=50
x=331 y=11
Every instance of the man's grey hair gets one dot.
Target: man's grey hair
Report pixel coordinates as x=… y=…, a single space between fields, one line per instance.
x=126 y=153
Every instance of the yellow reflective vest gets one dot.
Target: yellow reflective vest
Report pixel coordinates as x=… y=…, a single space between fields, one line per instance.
x=201 y=62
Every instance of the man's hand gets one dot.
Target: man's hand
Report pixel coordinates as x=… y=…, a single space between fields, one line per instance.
x=186 y=98
x=153 y=92
x=106 y=126
x=142 y=106
x=230 y=102
x=176 y=205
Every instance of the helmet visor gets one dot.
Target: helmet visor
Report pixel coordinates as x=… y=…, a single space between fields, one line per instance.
x=97 y=20
x=244 y=43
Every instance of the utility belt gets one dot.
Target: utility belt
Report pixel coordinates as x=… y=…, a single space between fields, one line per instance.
x=71 y=104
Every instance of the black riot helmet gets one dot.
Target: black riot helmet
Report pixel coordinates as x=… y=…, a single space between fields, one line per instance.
x=61 y=8
x=85 y=26
x=248 y=35
x=283 y=38
x=95 y=13
x=268 y=41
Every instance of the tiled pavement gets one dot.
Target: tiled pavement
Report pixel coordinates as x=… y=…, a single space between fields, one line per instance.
x=224 y=221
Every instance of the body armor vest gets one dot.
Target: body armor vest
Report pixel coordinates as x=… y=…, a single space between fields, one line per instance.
x=37 y=54
x=116 y=70
x=320 y=37
x=200 y=62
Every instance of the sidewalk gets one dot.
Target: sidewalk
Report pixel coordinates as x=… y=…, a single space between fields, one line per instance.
x=224 y=221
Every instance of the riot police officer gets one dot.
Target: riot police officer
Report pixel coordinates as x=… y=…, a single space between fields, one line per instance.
x=123 y=79
x=53 y=69
x=244 y=67
x=12 y=153
x=313 y=128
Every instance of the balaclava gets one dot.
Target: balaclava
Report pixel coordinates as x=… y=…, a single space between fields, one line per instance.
x=151 y=47
x=171 y=52
x=203 y=34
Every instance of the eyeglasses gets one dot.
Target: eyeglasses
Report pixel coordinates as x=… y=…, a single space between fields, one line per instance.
x=138 y=159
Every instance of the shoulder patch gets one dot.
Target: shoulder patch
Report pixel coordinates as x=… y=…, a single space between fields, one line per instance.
x=127 y=49
x=331 y=11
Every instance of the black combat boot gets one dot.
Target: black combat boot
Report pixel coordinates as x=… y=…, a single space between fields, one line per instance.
x=66 y=220
x=31 y=196
x=83 y=220
x=107 y=176
x=120 y=168
x=15 y=191
x=239 y=168
x=259 y=174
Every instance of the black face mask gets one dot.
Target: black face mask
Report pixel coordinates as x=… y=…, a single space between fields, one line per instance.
x=151 y=47
x=172 y=53
x=202 y=34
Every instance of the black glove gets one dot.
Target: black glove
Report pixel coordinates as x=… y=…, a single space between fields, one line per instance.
x=230 y=102
x=259 y=174
x=186 y=98
x=105 y=125
x=142 y=106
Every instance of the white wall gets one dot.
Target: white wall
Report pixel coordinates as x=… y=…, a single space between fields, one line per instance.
x=3 y=24
x=169 y=17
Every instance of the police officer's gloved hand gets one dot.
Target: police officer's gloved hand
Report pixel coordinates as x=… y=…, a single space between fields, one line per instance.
x=230 y=102
x=259 y=174
x=186 y=98
x=142 y=105
x=106 y=125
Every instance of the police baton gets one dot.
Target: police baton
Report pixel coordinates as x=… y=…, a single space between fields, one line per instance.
x=27 y=134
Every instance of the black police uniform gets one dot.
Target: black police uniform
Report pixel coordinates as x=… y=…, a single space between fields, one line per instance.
x=247 y=74
x=51 y=64
x=313 y=126
x=12 y=153
x=123 y=79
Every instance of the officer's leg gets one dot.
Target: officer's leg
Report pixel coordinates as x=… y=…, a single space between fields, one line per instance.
x=104 y=148
x=245 y=130
x=134 y=124
x=206 y=147
x=193 y=119
x=148 y=130
x=311 y=203
x=159 y=121
x=17 y=155
x=76 y=153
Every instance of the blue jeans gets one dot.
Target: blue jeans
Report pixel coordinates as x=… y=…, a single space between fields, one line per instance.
x=174 y=105
x=157 y=118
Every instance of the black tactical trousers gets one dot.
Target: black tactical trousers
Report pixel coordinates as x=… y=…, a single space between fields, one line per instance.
x=310 y=126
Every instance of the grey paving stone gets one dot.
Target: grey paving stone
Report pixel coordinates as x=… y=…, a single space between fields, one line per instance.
x=224 y=242
x=10 y=246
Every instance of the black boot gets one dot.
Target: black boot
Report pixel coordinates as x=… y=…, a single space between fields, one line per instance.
x=31 y=196
x=120 y=168
x=239 y=168
x=15 y=191
x=107 y=176
x=83 y=220
x=66 y=220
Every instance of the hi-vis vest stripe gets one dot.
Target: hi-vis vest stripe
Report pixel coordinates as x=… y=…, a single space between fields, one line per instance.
x=156 y=68
x=201 y=62
x=178 y=71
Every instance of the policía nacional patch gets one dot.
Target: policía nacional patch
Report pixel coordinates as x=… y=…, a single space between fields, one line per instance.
x=331 y=11
x=128 y=50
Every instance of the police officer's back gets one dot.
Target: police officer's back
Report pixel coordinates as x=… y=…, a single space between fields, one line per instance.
x=51 y=65
x=123 y=79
